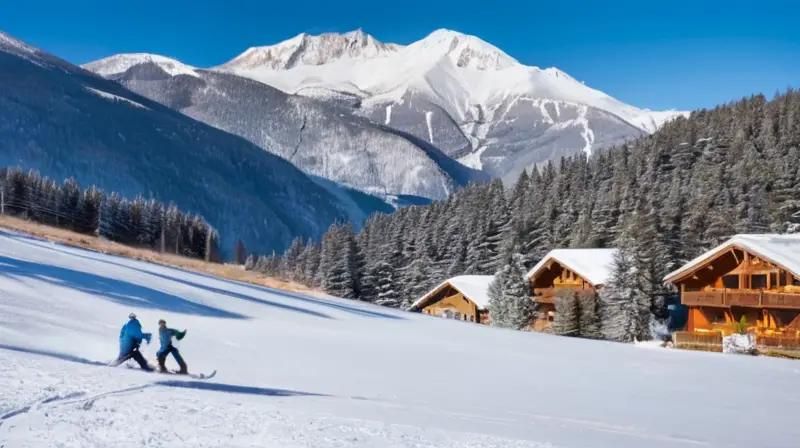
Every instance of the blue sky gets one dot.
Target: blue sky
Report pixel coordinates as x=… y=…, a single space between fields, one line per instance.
x=659 y=55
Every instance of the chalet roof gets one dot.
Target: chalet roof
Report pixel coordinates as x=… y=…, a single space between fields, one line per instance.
x=474 y=287
x=783 y=250
x=594 y=265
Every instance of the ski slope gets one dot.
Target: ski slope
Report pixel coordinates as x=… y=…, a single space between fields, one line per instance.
x=297 y=371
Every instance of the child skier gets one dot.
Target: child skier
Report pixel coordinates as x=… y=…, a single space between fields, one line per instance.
x=130 y=337
x=165 y=336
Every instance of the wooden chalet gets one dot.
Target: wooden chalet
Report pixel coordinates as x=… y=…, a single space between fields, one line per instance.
x=756 y=276
x=574 y=269
x=463 y=298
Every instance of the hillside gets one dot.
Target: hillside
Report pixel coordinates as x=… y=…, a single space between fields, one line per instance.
x=317 y=137
x=297 y=371
x=667 y=197
x=66 y=122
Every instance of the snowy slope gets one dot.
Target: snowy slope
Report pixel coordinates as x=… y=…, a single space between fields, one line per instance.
x=297 y=371
x=461 y=78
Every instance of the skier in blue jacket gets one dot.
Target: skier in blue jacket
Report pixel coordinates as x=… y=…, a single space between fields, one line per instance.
x=165 y=337
x=130 y=337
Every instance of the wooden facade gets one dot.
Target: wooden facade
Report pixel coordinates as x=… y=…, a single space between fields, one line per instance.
x=547 y=280
x=449 y=302
x=737 y=282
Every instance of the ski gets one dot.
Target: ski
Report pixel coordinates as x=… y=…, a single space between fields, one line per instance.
x=197 y=376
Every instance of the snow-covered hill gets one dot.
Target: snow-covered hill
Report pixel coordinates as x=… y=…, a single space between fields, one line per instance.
x=318 y=137
x=67 y=122
x=297 y=371
x=457 y=91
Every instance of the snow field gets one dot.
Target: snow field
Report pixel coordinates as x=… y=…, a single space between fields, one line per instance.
x=297 y=371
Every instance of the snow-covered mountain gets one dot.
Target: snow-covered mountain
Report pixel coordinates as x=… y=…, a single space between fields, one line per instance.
x=65 y=121
x=464 y=95
x=323 y=138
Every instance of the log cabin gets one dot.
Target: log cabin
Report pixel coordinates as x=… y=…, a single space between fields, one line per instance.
x=575 y=269
x=463 y=297
x=755 y=276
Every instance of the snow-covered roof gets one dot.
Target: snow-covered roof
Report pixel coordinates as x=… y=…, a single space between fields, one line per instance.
x=783 y=250
x=474 y=287
x=594 y=265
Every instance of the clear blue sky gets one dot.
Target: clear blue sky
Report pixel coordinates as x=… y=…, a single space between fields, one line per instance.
x=659 y=55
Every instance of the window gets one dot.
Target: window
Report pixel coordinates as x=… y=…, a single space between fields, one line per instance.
x=730 y=281
x=758 y=281
x=796 y=281
x=773 y=280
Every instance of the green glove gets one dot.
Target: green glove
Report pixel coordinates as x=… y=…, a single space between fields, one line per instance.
x=180 y=334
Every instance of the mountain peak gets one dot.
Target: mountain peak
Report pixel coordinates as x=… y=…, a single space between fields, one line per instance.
x=308 y=49
x=465 y=50
x=120 y=63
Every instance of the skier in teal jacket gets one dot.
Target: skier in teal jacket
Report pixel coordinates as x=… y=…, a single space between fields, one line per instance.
x=130 y=337
x=165 y=337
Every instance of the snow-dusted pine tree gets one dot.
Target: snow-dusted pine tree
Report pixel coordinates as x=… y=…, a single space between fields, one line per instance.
x=621 y=311
x=383 y=285
x=418 y=280
x=510 y=303
x=566 y=321
x=589 y=318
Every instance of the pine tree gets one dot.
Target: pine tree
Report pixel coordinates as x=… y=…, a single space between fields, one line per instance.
x=418 y=280
x=589 y=318
x=510 y=298
x=312 y=264
x=566 y=321
x=621 y=310
x=383 y=285
x=290 y=259
x=339 y=262
x=239 y=252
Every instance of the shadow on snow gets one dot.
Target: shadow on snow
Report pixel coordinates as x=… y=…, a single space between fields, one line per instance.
x=106 y=258
x=118 y=291
x=56 y=355
x=197 y=385
x=235 y=389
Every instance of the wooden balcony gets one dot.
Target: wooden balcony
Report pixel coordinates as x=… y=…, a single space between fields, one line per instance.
x=546 y=295
x=734 y=297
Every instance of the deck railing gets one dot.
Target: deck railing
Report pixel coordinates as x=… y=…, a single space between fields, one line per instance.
x=546 y=295
x=735 y=297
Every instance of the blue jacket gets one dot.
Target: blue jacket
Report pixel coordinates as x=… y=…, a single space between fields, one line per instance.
x=165 y=337
x=130 y=336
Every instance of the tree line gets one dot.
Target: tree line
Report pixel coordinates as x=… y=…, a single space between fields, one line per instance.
x=138 y=222
x=661 y=199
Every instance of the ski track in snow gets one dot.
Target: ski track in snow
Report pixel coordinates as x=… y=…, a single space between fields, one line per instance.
x=298 y=371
